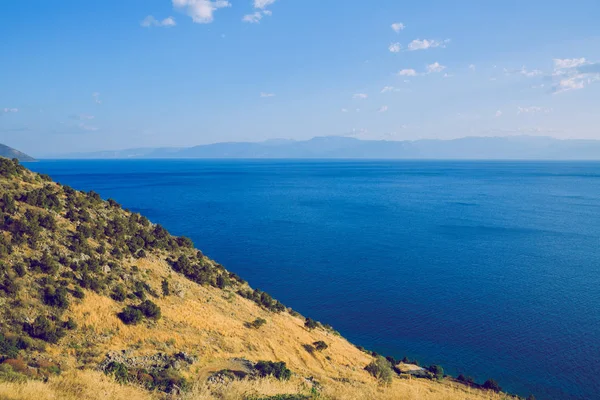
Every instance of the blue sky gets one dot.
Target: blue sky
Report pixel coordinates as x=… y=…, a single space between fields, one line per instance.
x=105 y=74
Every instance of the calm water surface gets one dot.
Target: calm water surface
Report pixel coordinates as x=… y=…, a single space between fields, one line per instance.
x=489 y=269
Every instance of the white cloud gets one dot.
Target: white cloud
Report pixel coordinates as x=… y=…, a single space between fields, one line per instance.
x=264 y=94
x=498 y=113
x=383 y=109
x=565 y=63
x=150 y=21
x=81 y=117
x=398 y=26
x=523 y=71
x=201 y=11
x=435 y=67
x=574 y=74
x=425 y=44
x=344 y=110
x=263 y=3
x=87 y=127
x=387 y=89
x=533 y=110
x=472 y=67
x=447 y=75
x=530 y=73
x=96 y=97
x=8 y=110
x=360 y=96
x=407 y=72
x=253 y=18
x=395 y=47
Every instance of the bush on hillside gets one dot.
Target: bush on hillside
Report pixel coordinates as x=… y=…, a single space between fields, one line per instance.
x=150 y=310
x=276 y=369
x=381 y=369
x=45 y=329
x=437 y=371
x=131 y=315
x=256 y=324
x=310 y=324
x=491 y=384
x=320 y=345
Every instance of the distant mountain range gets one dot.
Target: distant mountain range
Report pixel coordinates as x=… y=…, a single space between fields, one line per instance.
x=336 y=147
x=9 y=152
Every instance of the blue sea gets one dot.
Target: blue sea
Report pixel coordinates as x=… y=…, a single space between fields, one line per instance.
x=491 y=269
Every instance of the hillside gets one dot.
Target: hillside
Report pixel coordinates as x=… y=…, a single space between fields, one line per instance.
x=99 y=303
x=339 y=147
x=9 y=152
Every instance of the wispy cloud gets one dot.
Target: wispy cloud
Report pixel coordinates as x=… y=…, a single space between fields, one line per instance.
x=472 y=67
x=96 y=97
x=253 y=18
x=344 y=110
x=360 y=96
x=201 y=11
x=563 y=63
x=265 y=94
x=498 y=113
x=263 y=3
x=150 y=21
x=8 y=110
x=383 y=109
x=81 y=117
x=407 y=72
x=395 y=47
x=529 y=73
x=398 y=26
x=435 y=67
x=574 y=74
x=425 y=44
x=533 y=110
x=261 y=11
x=387 y=89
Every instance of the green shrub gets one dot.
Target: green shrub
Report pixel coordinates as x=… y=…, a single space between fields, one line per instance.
x=310 y=349
x=131 y=315
x=150 y=310
x=275 y=369
x=45 y=329
x=8 y=347
x=437 y=371
x=70 y=324
x=320 y=345
x=491 y=384
x=310 y=324
x=256 y=324
x=118 y=371
x=166 y=291
x=56 y=297
x=467 y=380
x=381 y=369
x=78 y=293
x=119 y=293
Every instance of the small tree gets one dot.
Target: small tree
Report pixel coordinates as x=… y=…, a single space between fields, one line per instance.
x=165 y=287
x=491 y=384
x=130 y=315
x=310 y=324
x=320 y=345
x=381 y=369
x=277 y=369
x=150 y=310
x=437 y=371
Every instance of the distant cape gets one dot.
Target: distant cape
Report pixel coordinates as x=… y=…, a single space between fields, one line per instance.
x=9 y=152
x=340 y=147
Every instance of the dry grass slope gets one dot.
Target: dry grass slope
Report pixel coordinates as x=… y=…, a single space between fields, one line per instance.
x=207 y=322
